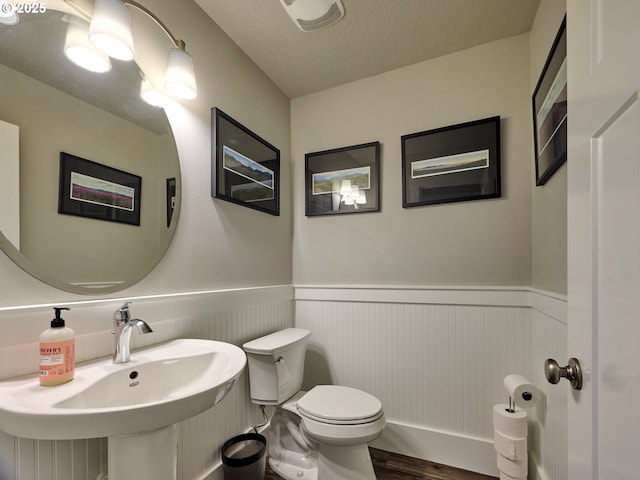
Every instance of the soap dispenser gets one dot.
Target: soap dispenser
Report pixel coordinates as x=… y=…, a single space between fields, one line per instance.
x=57 y=352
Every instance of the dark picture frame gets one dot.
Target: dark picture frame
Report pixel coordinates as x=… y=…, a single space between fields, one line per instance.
x=549 y=103
x=452 y=164
x=343 y=180
x=92 y=190
x=171 y=198
x=245 y=168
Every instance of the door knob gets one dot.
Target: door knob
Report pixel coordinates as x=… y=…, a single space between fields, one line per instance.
x=572 y=372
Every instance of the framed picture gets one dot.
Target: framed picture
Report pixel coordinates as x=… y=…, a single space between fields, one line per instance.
x=550 y=111
x=92 y=190
x=451 y=164
x=343 y=180
x=171 y=199
x=245 y=169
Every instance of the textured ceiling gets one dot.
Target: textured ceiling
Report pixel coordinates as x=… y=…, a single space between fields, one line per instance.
x=375 y=36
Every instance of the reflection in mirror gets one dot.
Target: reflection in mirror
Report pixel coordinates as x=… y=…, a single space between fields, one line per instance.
x=50 y=105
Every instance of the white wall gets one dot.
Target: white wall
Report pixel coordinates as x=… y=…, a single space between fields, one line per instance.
x=435 y=357
x=486 y=242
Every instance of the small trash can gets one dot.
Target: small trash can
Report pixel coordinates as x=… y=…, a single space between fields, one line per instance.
x=244 y=457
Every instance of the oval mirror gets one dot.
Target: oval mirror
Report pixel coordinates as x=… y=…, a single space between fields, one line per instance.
x=91 y=177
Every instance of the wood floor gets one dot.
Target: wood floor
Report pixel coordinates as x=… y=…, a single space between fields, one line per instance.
x=391 y=466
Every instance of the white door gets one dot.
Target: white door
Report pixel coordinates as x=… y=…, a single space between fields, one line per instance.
x=603 y=38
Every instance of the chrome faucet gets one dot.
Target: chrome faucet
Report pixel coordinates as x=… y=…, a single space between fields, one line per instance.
x=122 y=328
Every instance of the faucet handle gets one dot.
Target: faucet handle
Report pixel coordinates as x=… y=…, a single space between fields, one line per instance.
x=122 y=314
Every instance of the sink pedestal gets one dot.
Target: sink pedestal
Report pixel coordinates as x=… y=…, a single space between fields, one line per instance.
x=145 y=455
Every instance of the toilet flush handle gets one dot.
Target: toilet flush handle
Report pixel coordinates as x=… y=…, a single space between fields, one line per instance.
x=284 y=376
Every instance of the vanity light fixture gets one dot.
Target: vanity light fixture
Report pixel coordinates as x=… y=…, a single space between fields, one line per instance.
x=110 y=32
x=80 y=50
x=150 y=94
x=180 y=80
x=110 y=29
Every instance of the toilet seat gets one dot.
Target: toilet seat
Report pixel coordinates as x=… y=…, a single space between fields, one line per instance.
x=338 y=405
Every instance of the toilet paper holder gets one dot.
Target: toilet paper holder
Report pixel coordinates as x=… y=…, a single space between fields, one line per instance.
x=572 y=372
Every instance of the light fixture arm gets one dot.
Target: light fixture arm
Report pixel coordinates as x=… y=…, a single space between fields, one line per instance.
x=177 y=42
x=87 y=16
x=110 y=32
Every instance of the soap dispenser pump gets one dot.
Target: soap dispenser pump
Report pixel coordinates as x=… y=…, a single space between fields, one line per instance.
x=57 y=352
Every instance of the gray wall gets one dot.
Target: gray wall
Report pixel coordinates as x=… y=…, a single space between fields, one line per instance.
x=549 y=202
x=217 y=244
x=65 y=246
x=484 y=242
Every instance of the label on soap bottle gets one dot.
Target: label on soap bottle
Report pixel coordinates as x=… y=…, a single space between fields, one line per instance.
x=57 y=360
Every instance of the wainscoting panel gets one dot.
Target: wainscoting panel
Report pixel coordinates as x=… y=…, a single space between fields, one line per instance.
x=439 y=366
x=436 y=358
x=230 y=316
x=22 y=458
x=548 y=427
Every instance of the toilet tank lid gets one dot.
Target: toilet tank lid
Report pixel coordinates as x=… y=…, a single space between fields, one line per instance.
x=277 y=342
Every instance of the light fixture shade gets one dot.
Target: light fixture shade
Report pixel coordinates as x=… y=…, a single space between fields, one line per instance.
x=81 y=51
x=362 y=198
x=180 y=78
x=8 y=14
x=150 y=95
x=110 y=29
x=345 y=187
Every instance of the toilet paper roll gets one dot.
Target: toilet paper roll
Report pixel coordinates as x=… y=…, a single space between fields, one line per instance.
x=511 y=424
x=509 y=447
x=513 y=468
x=521 y=390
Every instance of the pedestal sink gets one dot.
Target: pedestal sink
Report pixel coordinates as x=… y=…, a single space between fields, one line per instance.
x=135 y=404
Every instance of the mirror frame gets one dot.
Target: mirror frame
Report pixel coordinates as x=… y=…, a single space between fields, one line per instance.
x=48 y=277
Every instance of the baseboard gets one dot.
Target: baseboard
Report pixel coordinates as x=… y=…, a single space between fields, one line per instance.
x=536 y=472
x=474 y=454
x=468 y=453
x=216 y=474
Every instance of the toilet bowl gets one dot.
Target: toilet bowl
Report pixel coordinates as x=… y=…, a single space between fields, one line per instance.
x=342 y=421
x=340 y=415
x=321 y=434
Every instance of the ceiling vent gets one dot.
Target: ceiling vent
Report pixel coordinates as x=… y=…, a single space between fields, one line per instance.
x=312 y=15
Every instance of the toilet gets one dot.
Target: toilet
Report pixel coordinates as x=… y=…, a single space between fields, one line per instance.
x=321 y=434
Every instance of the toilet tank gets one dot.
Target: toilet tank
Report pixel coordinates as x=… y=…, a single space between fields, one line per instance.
x=276 y=365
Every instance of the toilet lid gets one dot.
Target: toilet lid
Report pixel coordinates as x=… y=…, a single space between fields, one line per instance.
x=337 y=404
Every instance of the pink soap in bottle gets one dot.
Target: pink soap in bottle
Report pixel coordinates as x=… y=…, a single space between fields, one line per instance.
x=57 y=352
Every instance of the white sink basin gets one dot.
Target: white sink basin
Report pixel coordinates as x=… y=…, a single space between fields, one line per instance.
x=160 y=386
